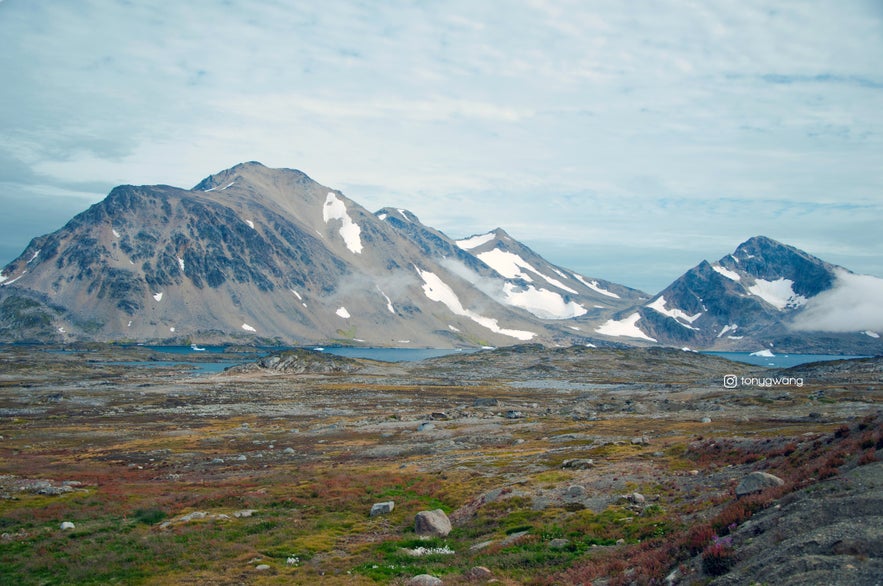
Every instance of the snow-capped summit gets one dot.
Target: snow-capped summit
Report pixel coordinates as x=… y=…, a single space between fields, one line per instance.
x=764 y=292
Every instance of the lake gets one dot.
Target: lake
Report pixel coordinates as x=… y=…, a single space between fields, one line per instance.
x=779 y=360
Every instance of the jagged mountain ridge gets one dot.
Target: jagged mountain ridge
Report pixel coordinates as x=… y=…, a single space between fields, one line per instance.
x=270 y=255
x=258 y=252
x=751 y=299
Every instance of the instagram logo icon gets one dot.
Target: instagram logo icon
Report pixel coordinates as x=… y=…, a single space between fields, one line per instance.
x=731 y=381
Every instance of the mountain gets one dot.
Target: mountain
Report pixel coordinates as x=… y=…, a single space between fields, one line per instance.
x=253 y=253
x=764 y=295
x=261 y=255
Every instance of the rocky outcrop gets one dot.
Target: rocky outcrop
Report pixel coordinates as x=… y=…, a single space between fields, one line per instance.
x=757 y=482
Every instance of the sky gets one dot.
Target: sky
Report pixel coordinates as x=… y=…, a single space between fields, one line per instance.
x=625 y=140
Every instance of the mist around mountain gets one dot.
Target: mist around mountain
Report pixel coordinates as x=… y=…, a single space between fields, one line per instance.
x=269 y=256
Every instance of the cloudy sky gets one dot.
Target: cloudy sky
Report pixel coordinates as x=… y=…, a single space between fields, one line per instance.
x=625 y=140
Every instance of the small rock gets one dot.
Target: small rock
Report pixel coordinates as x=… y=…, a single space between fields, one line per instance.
x=637 y=498
x=486 y=402
x=67 y=525
x=244 y=513
x=262 y=568
x=756 y=482
x=575 y=491
x=479 y=573
x=620 y=541
x=481 y=545
x=439 y=416
x=424 y=580
x=559 y=543
x=241 y=458
x=426 y=426
x=513 y=414
x=382 y=508
x=694 y=473
x=641 y=441
x=288 y=451
x=434 y=523
x=706 y=420
x=578 y=463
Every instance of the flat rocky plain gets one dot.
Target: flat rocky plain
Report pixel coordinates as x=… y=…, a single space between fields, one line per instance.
x=554 y=466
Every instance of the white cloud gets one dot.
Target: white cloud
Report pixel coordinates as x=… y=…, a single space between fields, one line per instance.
x=852 y=305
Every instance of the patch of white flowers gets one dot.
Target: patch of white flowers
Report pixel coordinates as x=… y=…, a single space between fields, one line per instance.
x=422 y=551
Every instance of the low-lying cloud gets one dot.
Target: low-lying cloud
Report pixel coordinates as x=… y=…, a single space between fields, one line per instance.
x=852 y=305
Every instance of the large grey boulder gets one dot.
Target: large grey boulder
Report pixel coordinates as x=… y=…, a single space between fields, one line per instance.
x=756 y=482
x=434 y=523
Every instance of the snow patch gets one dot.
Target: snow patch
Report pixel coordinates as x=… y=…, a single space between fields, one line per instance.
x=732 y=275
x=594 y=286
x=763 y=353
x=2 y=277
x=248 y=328
x=871 y=334
x=158 y=296
x=728 y=328
x=542 y=303
x=437 y=290
x=625 y=327
x=296 y=294
x=231 y=184
x=388 y=301
x=115 y=233
x=452 y=328
x=510 y=265
x=5 y=283
x=172 y=329
x=180 y=263
x=335 y=209
x=675 y=313
x=382 y=217
x=250 y=224
x=342 y=312
x=129 y=325
x=33 y=258
x=475 y=241
x=778 y=293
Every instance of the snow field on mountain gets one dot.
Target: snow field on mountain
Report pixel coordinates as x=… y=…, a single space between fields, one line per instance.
x=625 y=327
x=335 y=209
x=732 y=275
x=778 y=293
x=437 y=290
x=659 y=305
x=542 y=303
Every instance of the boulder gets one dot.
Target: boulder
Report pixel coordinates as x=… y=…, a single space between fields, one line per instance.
x=578 y=463
x=756 y=482
x=486 y=402
x=559 y=543
x=575 y=491
x=424 y=580
x=479 y=573
x=426 y=426
x=67 y=525
x=434 y=523
x=382 y=508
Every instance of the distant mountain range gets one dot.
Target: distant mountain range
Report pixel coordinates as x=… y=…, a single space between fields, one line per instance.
x=259 y=255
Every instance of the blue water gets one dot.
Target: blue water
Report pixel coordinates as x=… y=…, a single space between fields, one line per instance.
x=394 y=354
x=196 y=367
x=779 y=360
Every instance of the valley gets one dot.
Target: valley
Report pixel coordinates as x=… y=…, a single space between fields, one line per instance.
x=554 y=466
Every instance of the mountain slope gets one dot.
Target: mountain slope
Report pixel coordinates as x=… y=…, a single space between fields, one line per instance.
x=254 y=252
x=751 y=299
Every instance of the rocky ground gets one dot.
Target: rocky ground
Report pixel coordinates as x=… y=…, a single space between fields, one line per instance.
x=565 y=466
